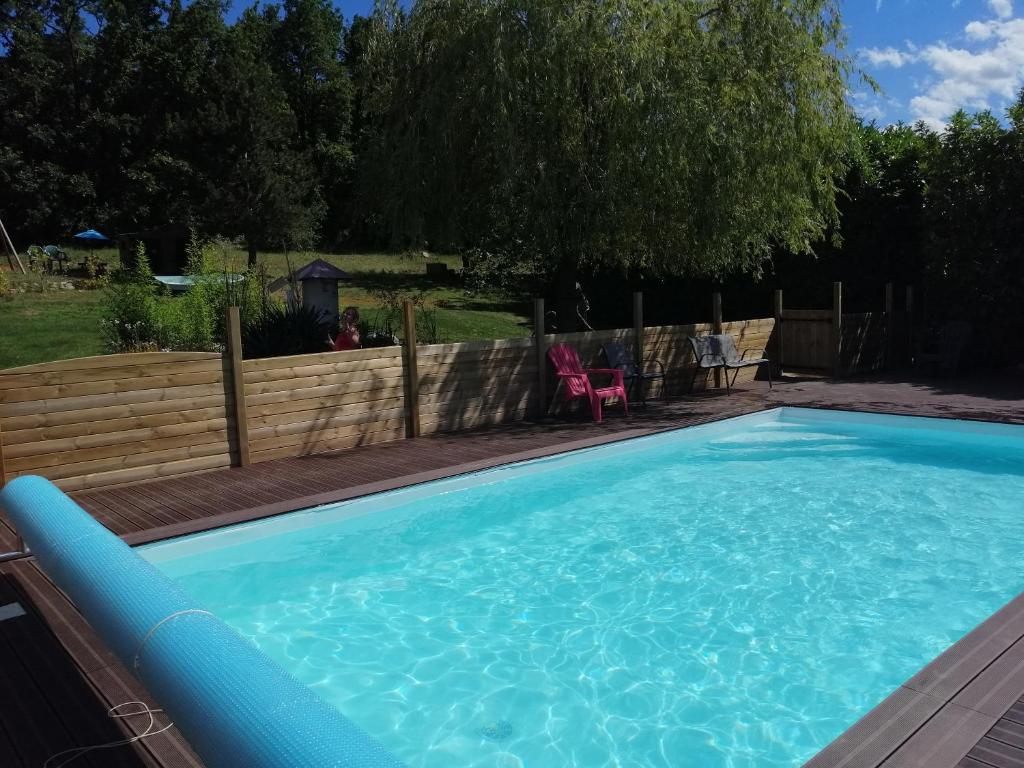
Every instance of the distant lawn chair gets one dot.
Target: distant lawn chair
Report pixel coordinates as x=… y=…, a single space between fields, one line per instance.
x=56 y=259
x=576 y=379
x=945 y=353
x=718 y=351
x=620 y=356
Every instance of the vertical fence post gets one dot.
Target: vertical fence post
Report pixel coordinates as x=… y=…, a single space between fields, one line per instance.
x=238 y=385
x=3 y=471
x=716 y=323
x=638 y=325
x=542 y=370
x=837 y=329
x=777 y=352
x=889 y=325
x=411 y=368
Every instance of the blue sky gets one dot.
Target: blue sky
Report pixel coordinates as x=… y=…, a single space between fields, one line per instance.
x=931 y=57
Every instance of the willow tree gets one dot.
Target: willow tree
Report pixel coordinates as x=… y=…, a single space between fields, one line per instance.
x=664 y=135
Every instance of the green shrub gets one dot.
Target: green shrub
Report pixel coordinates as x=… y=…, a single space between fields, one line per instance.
x=131 y=318
x=388 y=321
x=199 y=317
x=191 y=319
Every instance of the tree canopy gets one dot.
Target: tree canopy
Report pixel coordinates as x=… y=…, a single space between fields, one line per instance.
x=684 y=135
x=127 y=114
x=669 y=137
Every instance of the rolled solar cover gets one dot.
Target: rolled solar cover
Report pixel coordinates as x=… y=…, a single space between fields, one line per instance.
x=236 y=706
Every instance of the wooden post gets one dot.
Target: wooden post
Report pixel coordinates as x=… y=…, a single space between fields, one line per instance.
x=889 y=357
x=716 y=323
x=542 y=360
x=412 y=376
x=638 y=326
x=3 y=471
x=777 y=352
x=238 y=385
x=13 y=252
x=837 y=329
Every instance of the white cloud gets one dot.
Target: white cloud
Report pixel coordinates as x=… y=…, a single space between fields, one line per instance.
x=886 y=57
x=981 y=30
x=984 y=71
x=1001 y=8
x=971 y=79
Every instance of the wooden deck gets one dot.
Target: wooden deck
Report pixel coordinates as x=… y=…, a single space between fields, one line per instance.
x=57 y=679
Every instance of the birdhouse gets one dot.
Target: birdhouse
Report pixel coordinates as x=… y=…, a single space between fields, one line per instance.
x=319 y=281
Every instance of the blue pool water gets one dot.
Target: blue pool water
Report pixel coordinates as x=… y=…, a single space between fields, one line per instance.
x=730 y=595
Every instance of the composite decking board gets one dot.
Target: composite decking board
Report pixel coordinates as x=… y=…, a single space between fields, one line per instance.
x=970 y=762
x=997 y=753
x=75 y=634
x=57 y=651
x=1016 y=713
x=8 y=538
x=1008 y=732
x=72 y=703
x=291 y=482
x=125 y=503
x=141 y=504
x=52 y=707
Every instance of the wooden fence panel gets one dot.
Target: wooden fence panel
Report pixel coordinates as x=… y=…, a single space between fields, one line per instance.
x=807 y=339
x=471 y=384
x=323 y=402
x=668 y=344
x=864 y=340
x=112 y=419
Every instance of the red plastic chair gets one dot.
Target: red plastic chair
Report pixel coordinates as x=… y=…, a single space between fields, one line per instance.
x=576 y=379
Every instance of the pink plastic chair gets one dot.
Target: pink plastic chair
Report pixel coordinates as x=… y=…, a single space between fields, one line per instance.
x=576 y=379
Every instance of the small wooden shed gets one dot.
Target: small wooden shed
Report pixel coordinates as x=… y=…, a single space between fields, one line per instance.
x=319 y=281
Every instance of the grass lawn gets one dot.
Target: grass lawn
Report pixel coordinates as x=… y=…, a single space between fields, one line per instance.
x=38 y=327
x=55 y=324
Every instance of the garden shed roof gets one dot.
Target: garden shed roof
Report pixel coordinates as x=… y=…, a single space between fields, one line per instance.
x=318 y=269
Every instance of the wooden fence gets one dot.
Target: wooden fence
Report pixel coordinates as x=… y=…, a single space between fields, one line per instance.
x=475 y=383
x=323 y=402
x=119 y=419
x=863 y=347
x=807 y=338
x=841 y=343
x=116 y=418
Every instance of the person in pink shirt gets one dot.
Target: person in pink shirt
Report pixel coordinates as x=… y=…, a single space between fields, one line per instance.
x=348 y=335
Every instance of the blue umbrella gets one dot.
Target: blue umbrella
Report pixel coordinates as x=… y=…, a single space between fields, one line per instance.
x=90 y=234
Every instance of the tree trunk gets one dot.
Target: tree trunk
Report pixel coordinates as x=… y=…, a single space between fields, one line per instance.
x=252 y=255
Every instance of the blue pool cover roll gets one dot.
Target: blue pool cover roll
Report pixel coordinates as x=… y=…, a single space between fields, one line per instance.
x=235 y=705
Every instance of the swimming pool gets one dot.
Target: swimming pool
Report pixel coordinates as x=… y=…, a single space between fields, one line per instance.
x=735 y=594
